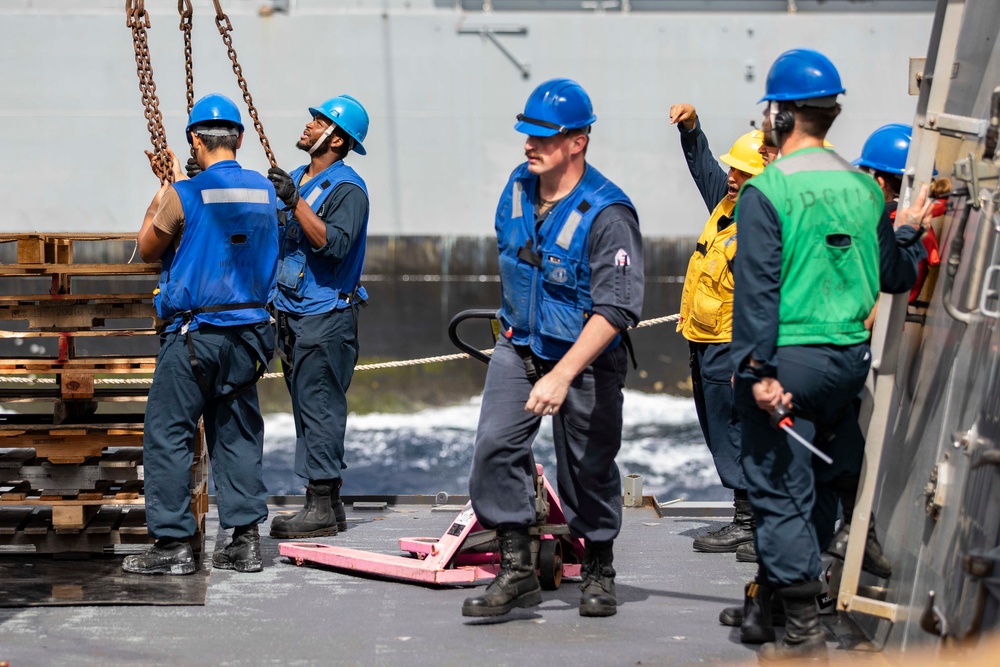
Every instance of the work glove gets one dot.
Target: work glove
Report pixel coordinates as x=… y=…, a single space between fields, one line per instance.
x=192 y=168
x=284 y=187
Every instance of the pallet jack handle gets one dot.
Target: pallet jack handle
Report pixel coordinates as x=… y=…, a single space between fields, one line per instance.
x=473 y=314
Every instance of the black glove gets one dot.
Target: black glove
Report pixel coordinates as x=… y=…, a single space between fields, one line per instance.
x=192 y=168
x=284 y=187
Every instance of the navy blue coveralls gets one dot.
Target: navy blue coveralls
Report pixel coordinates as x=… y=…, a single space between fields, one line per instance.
x=317 y=304
x=212 y=292
x=711 y=365
x=601 y=246
x=792 y=492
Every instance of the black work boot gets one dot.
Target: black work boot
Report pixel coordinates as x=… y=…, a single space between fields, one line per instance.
x=516 y=584
x=730 y=537
x=242 y=553
x=803 y=636
x=597 y=590
x=761 y=611
x=875 y=561
x=166 y=556
x=323 y=513
x=746 y=553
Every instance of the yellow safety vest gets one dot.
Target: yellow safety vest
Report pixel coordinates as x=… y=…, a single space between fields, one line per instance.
x=707 y=297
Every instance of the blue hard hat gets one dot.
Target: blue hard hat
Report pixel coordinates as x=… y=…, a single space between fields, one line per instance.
x=802 y=74
x=555 y=107
x=347 y=114
x=214 y=108
x=886 y=149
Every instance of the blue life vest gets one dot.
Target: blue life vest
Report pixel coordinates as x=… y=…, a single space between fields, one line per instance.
x=223 y=271
x=309 y=284
x=545 y=270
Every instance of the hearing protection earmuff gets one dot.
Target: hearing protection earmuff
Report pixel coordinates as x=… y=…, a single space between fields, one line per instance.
x=782 y=122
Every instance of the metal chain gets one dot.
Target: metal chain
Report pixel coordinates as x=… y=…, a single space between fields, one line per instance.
x=184 y=9
x=225 y=27
x=362 y=367
x=137 y=20
x=186 y=12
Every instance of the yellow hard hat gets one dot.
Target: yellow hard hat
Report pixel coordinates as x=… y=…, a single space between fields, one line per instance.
x=744 y=156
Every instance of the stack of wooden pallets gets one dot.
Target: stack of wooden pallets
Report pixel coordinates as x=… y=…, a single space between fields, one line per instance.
x=77 y=346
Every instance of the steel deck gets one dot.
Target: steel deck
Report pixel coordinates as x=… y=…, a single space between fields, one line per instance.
x=669 y=599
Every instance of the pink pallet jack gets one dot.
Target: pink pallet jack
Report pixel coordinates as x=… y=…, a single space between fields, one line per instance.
x=466 y=553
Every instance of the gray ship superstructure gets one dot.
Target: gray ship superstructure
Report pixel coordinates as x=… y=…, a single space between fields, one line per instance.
x=442 y=82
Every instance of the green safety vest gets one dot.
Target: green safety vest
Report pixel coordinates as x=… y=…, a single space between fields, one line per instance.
x=829 y=213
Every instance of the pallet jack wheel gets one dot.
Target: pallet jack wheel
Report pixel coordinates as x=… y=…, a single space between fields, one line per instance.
x=550 y=564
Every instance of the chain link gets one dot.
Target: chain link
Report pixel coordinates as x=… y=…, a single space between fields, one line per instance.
x=138 y=21
x=225 y=28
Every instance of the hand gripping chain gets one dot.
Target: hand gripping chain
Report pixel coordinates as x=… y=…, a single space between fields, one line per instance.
x=137 y=20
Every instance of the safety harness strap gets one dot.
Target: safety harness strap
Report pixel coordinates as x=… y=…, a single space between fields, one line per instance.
x=199 y=374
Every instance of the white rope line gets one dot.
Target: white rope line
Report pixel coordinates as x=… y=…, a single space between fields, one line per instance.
x=12 y=379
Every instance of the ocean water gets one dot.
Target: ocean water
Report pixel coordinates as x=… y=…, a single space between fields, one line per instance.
x=431 y=451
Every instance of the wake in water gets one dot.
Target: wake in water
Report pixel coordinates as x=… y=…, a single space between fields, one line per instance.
x=431 y=450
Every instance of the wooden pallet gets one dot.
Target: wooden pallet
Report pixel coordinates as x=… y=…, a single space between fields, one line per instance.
x=52 y=254
x=70 y=445
x=39 y=365
x=72 y=480
x=114 y=529
x=77 y=330
x=75 y=316
x=75 y=478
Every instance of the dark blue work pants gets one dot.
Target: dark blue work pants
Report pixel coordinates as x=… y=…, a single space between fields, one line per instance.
x=587 y=432
x=321 y=351
x=234 y=429
x=711 y=381
x=794 y=504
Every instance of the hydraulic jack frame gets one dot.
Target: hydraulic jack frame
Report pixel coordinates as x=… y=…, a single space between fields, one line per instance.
x=467 y=552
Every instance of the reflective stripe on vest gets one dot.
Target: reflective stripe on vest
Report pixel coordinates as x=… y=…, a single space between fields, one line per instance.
x=234 y=196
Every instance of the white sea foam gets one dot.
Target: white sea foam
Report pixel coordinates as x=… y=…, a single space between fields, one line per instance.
x=431 y=449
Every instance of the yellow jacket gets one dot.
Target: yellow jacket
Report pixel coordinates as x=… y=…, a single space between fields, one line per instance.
x=707 y=297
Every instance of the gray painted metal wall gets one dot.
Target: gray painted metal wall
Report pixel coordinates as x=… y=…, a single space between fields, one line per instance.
x=442 y=103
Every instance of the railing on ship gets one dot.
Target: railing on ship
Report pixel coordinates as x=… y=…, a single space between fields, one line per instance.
x=627 y=6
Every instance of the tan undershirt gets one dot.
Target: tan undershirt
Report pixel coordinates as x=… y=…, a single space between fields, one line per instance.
x=169 y=218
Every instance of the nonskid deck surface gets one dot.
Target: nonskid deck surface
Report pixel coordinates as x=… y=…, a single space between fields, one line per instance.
x=669 y=597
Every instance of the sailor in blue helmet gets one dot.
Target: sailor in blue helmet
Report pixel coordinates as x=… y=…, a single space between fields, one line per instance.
x=217 y=237
x=317 y=302
x=571 y=277
x=815 y=249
